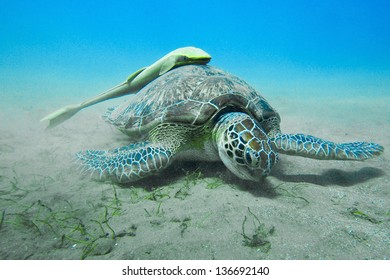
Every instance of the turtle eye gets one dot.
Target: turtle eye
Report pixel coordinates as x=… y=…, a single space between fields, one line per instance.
x=248 y=158
x=251 y=158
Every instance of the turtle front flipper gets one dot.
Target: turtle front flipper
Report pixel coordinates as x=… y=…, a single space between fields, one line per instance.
x=313 y=147
x=128 y=163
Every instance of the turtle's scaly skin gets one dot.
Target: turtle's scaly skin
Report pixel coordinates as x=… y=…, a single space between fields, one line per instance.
x=316 y=148
x=203 y=113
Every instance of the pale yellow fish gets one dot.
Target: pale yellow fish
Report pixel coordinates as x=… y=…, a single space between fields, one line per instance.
x=135 y=82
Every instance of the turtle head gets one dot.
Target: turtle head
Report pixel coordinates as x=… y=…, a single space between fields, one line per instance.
x=243 y=146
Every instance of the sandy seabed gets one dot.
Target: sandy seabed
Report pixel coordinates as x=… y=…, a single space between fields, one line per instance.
x=306 y=209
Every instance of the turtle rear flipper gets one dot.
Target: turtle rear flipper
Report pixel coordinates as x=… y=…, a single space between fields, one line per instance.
x=313 y=147
x=128 y=163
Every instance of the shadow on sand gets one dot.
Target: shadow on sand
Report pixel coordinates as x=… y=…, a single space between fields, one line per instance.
x=265 y=188
x=333 y=177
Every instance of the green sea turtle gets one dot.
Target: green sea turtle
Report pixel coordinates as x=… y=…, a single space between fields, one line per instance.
x=136 y=81
x=199 y=112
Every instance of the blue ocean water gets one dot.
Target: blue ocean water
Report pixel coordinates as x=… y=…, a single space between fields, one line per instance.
x=76 y=49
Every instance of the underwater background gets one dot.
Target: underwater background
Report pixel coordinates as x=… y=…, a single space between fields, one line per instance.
x=73 y=49
x=323 y=65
